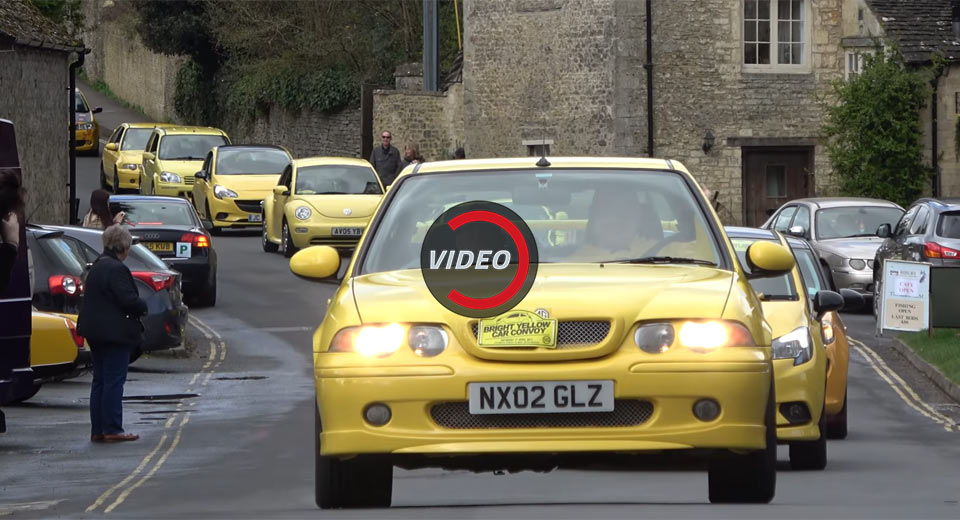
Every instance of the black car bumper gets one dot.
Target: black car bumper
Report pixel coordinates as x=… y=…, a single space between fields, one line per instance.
x=164 y=330
x=196 y=273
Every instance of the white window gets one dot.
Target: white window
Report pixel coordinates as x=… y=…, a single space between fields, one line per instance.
x=776 y=35
x=854 y=63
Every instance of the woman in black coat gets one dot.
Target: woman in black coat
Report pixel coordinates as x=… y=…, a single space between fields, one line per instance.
x=110 y=321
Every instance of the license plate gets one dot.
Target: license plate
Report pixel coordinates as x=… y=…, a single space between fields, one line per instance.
x=541 y=397
x=255 y=217
x=159 y=247
x=346 y=231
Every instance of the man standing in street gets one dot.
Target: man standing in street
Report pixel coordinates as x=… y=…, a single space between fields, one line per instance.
x=386 y=159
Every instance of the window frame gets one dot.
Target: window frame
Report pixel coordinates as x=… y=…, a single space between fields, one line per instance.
x=776 y=220
x=920 y=221
x=805 y=67
x=860 y=55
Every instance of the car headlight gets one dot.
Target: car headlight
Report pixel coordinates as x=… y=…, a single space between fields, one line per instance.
x=130 y=166
x=303 y=213
x=654 y=338
x=427 y=341
x=170 y=177
x=223 y=193
x=857 y=264
x=369 y=340
x=708 y=336
x=84 y=126
x=795 y=345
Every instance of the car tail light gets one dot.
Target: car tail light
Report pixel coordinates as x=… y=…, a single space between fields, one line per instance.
x=935 y=250
x=65 y=284
x=196 y=239
x=78 y=339
x=158 y=281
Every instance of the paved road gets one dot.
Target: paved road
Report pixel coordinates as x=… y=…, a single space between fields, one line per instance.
x=227 y=433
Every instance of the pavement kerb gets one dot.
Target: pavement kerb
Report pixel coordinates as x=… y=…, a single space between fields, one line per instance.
x=933 y=373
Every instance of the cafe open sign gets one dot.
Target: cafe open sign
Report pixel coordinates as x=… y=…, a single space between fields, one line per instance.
x=905 y=302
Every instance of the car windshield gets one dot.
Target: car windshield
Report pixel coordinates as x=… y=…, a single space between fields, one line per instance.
x=156 y=213
x=337 y=179
x=251 y=161
x=136 y=138
x=577 y=216
x=770 y=288
x=949 y=225
x=192 y=147
x=81 y=103
x=809 y=271
x=854 y=221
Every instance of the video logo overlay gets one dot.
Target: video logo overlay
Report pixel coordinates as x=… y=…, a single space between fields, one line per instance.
x=479 y=259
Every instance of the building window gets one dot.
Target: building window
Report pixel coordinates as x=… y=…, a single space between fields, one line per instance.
x=775 y=33
x=537 y=147
x=776 y=181
x=854 y=64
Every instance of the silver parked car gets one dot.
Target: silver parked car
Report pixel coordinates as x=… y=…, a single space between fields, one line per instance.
x=843 y=232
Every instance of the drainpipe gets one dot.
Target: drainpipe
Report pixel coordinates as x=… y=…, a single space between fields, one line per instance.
x=73 y=133
x=648 y=66
x=935 y=160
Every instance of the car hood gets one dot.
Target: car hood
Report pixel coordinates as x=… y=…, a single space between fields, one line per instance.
x=860 y=247
x=181 y=168
x=340 y=206
x=256 y=187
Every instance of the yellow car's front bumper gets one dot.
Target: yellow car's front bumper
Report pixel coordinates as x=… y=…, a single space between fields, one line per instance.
x=235 y=212
x=320 y=233
x=86 y=140
x=799 y=384
x=174 y=189
x=411 y=391
x=128 y=179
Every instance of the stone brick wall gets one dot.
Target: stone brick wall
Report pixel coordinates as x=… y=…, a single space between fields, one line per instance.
x=305 y=133
x=435 y=121
x=39 y=110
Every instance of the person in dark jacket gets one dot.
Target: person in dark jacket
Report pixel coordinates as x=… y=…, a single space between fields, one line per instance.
x=386 y=159
x=110 y=321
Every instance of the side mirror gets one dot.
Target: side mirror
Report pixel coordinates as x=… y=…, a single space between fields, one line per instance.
x=826 y=301
x=852 y=300
x=97 y=110
x=201 y=175
x=316 y=263
x=884 y=231
x=796 y=231
x=207 y=225
x=281 y=190
x=767 y=259
x=149 y=156
x=111 y=146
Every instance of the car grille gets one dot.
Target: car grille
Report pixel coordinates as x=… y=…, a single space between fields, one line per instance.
x=250 y=206
x=574 y=333
x=626 y=413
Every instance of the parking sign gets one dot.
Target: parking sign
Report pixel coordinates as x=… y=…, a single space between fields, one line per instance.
x=183 y=249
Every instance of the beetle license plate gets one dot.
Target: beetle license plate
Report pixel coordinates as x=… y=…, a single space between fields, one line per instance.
x=541 y=397
x=255 y=217
x=159 y=247
x=346 y=231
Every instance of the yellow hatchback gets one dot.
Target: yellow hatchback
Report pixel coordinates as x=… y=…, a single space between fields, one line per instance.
x=320 y=200
x=87 y=136
x=625 y=338
x=122 y=157
x=174 y=155
x=233 y=182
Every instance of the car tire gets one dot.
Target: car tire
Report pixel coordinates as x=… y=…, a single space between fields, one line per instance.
x=208 y=295
x=265 y=243
x=103 y=178
x=811 y=455
x=286 y=241
x=36 y=388
x=116 y=182
x=215 y=230
x=135 y=354
x=364 y=481
x=750 y=478
x=837 y=425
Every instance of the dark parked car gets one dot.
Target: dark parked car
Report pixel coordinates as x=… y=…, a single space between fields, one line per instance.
x=171 y=229
x=158 y=285
x=928 y=232
x=57 y=267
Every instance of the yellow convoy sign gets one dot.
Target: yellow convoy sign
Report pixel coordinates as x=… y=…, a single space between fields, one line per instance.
x=518 y=329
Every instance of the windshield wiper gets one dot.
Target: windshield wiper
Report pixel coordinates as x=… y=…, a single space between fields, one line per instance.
x=331 y=193
x=860 y=235
x=185 y=159
x=662 y=260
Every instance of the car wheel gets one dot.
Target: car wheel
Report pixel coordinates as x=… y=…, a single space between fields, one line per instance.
x=359 y=482
x=36 y=388
x=103 y=178
x=268 y=246
x=215 y=230
x=750 y=478
x=286 y=241
x=208 y=296
x=135 y=354
x=809 y=455
x=837 y=425
x=116 y=182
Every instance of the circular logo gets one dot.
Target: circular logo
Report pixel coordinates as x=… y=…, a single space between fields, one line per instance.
x=347 y=211
x=479 y=259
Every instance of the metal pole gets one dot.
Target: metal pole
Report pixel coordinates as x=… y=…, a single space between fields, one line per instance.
x=431 y=74
x=456 y=16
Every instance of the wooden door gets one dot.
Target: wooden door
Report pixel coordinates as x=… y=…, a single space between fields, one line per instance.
x=771 y=178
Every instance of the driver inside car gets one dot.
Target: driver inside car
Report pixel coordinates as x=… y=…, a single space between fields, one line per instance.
x=619 y=227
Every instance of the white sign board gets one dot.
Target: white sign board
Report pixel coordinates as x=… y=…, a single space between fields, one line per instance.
x=183 y=249
x=905 y=296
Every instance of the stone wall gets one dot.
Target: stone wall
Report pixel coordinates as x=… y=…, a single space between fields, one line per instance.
x=305 y=134
x=39 y=110
x=432 y=120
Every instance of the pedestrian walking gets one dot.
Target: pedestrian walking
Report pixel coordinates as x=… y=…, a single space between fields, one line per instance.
x=100 y=216
x=110 y=321
x=411 y=155
x=11 y=202
x=386 y=159
x=459 y=153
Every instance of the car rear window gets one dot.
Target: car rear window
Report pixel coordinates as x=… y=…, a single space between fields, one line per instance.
x=142 y=259
x=948 y=226
x=336 y=179
x=59 y=257
x=156 y=213
x=774 y=288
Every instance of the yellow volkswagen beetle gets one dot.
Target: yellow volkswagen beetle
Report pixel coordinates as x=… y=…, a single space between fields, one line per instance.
x=122 y=157
x=799 y=352
x=174 y=155
x=233 y=182
x=54 y=348
x=631 y=339
x=320 y=200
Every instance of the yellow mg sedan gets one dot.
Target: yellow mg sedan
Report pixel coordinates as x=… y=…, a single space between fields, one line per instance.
x=320 y=200
x=502 y=351
x=122 y=157
x=174 y=155
x=799 y=352
x=230 y=189
x=87 y=135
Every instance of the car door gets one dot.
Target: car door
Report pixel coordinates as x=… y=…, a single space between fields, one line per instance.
x=802 y=220
x=202 y=187
x=150 y=165
x=279 y=201
x=914 y=242
x=108 y=160
x=782 y=223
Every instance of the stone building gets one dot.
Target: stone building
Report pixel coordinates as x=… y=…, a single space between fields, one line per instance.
x=34 y=58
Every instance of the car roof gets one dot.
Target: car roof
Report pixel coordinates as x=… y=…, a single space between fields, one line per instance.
x=41 y=231
x=149 y=125
x=331 y=161
x=242 y=146
x=512 y=163
x=191 y=130
x=748 y=232
x=837 y=202
x=947 y=204
x=147 y=198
